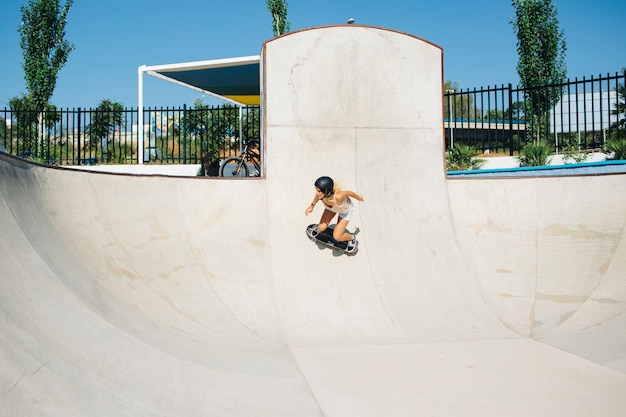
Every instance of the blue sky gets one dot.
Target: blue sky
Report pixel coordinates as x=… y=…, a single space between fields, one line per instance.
x=114 y=37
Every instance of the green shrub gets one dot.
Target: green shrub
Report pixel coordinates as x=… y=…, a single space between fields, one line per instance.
x=536 y=154
x=571 y=155
x=461 y=157
x=615 y=149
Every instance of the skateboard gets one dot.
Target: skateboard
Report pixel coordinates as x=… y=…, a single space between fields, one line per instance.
x=326 y=238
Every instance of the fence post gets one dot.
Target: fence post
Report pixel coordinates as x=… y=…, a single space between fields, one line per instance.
x=79 y=130
x=510 y=88
x=184 y=135
x=140 y=132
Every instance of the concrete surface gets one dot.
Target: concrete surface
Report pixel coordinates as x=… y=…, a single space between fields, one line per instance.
x=182 y=170
x=167 y=296
x=587 y=168
x=495 y=162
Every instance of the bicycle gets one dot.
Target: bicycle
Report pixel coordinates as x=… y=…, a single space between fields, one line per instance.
x=237 y=166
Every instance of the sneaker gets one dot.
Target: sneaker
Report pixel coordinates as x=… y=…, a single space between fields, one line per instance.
x=352 y=245
x=313 y=231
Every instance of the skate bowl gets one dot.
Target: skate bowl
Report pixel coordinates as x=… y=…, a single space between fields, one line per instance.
x=147 y=295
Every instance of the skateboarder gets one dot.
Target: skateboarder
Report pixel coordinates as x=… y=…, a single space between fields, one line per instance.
x=336 y=201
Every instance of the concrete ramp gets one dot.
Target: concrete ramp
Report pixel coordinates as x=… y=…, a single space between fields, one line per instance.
x=160 y=296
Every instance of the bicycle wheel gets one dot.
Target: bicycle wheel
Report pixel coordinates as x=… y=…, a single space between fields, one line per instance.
x=234 y=166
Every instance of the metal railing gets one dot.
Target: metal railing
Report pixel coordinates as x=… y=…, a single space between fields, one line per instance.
x=78 y=136
x=580 y=113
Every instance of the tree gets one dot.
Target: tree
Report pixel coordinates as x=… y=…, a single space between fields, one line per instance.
x=24 y=126
x=494 y=115
x=615 y=146
x=26 y=119
x=278 y=10
x=44 y=48
x=104 y=120
x=515 y=112
x=3 y=133
x=215 y=129
x=518 y=110
x=457 y=105
x=541 y=50
x=619 y=111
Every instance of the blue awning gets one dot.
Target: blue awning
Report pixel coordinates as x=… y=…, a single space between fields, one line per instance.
x=235 y=79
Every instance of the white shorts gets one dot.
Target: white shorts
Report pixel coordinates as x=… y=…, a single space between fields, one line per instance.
x=348 y=214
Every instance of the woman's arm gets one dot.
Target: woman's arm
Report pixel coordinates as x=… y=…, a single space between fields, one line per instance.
x=311 y=206
x=343 y=194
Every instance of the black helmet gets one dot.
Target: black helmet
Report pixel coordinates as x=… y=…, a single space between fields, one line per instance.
x=325 y=184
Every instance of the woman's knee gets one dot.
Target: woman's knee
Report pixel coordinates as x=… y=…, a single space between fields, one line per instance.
x=322 y=226
x=338 y=232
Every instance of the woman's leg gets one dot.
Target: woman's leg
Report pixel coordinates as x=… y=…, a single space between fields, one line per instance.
x=339 y=233
x=327 y=217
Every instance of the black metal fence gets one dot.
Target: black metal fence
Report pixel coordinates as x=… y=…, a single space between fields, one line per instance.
x=93 y=136
x=580 y=113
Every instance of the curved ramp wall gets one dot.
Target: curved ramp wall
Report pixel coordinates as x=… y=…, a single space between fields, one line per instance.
x=156 y=296
x=134 y=295
x=364 y=106
x=548 y=255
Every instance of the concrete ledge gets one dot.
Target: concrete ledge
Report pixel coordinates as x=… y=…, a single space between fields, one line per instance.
x=589 y=168
x=174 y=170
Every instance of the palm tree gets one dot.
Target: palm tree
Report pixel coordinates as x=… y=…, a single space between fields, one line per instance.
x=461 y=157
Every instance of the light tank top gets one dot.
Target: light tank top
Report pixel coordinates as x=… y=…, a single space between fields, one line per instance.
x=339 y=208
